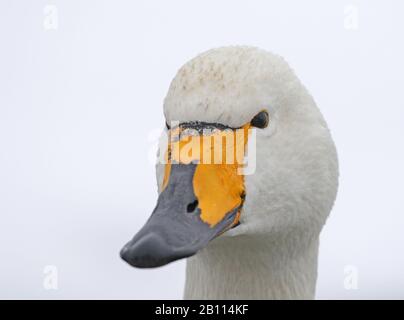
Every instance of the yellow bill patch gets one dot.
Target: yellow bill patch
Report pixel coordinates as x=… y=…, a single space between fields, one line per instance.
x=218 y=155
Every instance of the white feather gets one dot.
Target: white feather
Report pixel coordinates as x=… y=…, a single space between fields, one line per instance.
x=273 y=253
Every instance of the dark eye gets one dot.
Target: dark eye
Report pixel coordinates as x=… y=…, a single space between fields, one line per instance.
x=167 y=126
x=261 y=120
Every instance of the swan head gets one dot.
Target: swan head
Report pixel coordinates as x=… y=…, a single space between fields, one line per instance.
x=285 y=189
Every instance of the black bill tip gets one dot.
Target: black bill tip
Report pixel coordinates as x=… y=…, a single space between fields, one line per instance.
x=151 y=251
x=175 y=229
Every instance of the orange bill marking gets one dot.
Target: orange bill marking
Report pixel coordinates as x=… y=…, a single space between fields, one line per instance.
x=216 y=182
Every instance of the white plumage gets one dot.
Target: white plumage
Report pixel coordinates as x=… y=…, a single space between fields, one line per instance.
x=273 y=253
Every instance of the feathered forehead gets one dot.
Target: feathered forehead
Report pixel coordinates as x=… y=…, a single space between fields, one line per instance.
x=228 y=85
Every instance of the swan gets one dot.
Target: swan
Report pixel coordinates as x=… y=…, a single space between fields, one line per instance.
x=245 y=236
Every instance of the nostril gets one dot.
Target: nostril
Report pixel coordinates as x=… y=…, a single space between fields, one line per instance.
x=192 y=206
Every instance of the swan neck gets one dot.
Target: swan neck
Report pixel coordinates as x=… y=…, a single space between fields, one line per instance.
x=253 y=269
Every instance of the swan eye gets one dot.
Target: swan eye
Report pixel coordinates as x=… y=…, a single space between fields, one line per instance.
x=167 y=126
x=261 y=120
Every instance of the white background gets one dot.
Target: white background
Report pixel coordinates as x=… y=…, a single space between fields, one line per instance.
x=79 y=107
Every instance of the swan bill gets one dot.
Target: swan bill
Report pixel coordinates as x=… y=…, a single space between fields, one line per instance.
x=175 y=230
x=202 y=194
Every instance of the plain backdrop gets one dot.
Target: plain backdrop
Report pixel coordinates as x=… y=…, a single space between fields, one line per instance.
x=81 y=98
